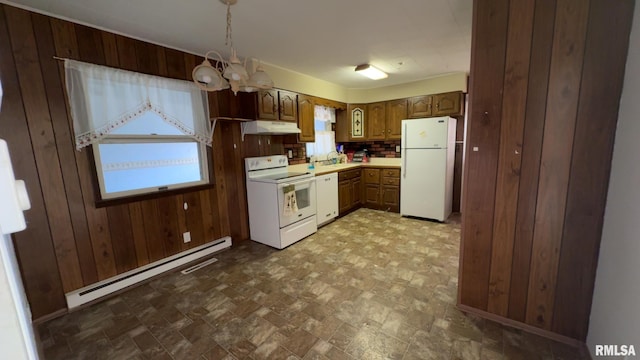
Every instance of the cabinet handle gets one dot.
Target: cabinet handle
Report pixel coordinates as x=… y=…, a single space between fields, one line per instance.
x=275 y=108
x=438 y=106
x=389 y=131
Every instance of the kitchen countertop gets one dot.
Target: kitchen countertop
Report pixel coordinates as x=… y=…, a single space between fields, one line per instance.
x=393 y=163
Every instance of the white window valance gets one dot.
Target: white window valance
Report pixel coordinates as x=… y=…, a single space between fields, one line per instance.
x=323 y=113
x=103 y=98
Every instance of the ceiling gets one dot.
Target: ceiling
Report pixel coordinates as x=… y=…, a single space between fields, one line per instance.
x=409 y=39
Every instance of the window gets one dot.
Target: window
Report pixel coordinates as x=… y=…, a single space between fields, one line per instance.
x=147 y=155
x=148 y=133
x=325 y=141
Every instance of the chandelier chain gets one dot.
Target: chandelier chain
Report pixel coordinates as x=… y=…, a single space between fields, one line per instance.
x=228 y=41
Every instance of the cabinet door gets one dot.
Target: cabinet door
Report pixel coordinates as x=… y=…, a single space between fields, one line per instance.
x=447 y=104
x=268 y=104
x=372 y=196
x=419 y=107
x=396 y=112
x=376 y=121
x=390 y=198
x=344 y=196
x=357 y=121
x=288 y=109
x=356 y=191
x=306 y=119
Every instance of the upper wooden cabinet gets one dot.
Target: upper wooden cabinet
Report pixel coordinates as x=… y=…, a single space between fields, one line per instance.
x=268 y=104
x=306 y=109
x=396 y=112
x=383 y=120
x=376 y=121
x=419 y=106
x=448 y=104
x=277 y=105
x=288 y=106
x=357 y=122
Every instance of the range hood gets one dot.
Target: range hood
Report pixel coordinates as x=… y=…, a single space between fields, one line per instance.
x=265 y=127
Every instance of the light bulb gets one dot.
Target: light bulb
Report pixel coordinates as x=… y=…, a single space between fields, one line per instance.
x=206 y=79
x=235 y=76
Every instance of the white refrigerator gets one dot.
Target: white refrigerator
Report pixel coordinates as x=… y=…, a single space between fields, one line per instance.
x=426 y=182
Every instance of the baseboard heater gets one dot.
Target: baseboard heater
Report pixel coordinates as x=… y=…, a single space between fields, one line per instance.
x=119 y=282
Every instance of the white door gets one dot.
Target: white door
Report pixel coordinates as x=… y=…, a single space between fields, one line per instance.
x=422 y=185
x=425 y=133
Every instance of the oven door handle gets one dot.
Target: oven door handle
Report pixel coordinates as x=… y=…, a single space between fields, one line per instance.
x=301 y=182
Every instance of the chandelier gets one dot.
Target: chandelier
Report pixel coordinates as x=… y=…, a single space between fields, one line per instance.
x=232 y=73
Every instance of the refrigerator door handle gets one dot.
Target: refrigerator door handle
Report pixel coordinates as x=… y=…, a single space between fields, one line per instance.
x=404 y=152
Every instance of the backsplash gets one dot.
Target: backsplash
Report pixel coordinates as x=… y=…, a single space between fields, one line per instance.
x=299 y=151
x=379 y=149
x=383 y=149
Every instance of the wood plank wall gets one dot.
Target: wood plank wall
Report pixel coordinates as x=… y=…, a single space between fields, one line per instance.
x=546 y=79
x=69 y=243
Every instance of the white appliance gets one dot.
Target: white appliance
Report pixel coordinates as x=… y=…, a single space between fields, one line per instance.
x=274 y=219
x=17 y=338
x=327 y=197
x=270 y=127
x=428 y=151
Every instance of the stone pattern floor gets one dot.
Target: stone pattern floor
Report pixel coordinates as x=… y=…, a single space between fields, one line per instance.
x=371 y=285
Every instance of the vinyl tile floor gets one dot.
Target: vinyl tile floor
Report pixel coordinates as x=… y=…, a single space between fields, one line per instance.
x=371 y=285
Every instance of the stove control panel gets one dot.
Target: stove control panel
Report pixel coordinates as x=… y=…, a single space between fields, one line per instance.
x=266 y=162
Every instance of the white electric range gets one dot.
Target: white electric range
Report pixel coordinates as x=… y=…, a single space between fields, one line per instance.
x=276 y=218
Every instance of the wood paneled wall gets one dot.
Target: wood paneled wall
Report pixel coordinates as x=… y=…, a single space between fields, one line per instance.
x=69 y=242
x=546 y=79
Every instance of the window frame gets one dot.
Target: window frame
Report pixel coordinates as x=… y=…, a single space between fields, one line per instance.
x=137 y=139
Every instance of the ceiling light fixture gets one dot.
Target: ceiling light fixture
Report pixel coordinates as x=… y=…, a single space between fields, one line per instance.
x=371 y=72
x=234 y=72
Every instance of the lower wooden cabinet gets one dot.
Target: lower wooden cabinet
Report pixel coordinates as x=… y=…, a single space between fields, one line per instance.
x=382 y=189
x=349 y=191
x=373 y=188
x=371 y=196
x=344 y=196
x=390 y=198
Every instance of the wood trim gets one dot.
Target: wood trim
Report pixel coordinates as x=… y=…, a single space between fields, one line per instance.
x=138 y=233
x=42 y=137
x=124 y=250
x=490 y=23
x=153 y=195
x=56 y=98
x=597 y=116
x=42 y=283
x=78 y=243
x=522 y=326
x=531 y=149
x=564 y=88
x=510 y=154
x=50 y=316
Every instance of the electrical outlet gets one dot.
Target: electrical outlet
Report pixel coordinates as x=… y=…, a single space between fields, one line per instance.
x=397 y=148
x=186 y=236
x=290 y=154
